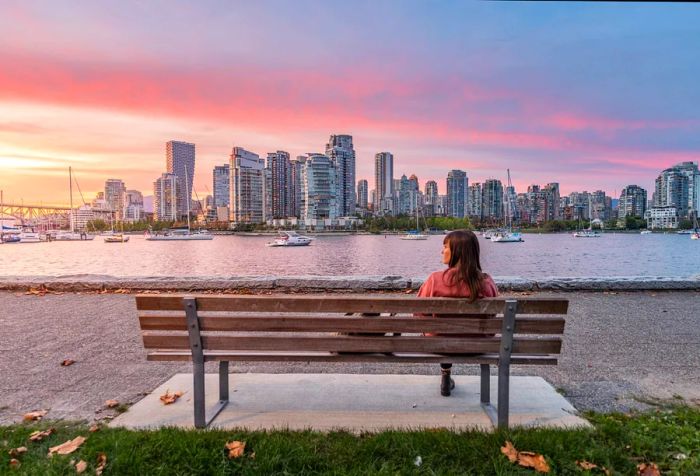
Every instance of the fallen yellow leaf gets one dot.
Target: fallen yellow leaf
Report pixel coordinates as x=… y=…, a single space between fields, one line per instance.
x=36 y=415
x=509 y=450
x=80 y=466
x=67 y=362
x=15 y=452
x=169 y=398
x=111 y=403
x=68 y=447
x=526 y=459
x=101 y=463
x=536 y=461
x=235 y=449
x=40 y=435
x=586 y=465
x=648 y=469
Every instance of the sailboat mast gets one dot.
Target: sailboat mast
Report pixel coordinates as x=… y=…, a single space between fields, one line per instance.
x=187 y=198
x=70 y=187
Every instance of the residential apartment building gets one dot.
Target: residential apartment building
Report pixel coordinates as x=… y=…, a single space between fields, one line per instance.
x=115 y=197
x=384 y=183
x=247 y=188
x=457 y=187
x=342 y=154
x=222 y=185
x=362 y=194
x=165 y=198
x=318 y=189
x=633 y=202
x=279 y=165
x=180 y=160
x=492 y=201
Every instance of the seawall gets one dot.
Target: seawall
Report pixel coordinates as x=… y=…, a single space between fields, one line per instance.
x=90 y=282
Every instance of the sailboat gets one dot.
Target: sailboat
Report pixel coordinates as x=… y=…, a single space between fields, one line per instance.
x=182 y=234
x=71 y=235
x=507 y=236
x=414 y=235
x=588 y=233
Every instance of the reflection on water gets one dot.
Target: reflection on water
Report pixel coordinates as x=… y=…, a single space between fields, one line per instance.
x=539 y=256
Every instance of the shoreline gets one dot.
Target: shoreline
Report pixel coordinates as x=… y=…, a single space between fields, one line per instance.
x=94 y=282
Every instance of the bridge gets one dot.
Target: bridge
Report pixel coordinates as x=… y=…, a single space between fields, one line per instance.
x=46 y=217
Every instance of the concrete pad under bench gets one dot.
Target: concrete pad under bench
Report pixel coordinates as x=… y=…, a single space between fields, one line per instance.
x=353 y=402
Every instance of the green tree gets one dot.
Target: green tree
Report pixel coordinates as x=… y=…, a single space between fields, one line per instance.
x=685 y=224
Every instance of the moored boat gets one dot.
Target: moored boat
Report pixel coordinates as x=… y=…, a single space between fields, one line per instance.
x=290 y=238
x=180 y=234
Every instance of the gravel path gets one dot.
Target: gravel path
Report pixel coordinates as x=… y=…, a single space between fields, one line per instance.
x=619 y=350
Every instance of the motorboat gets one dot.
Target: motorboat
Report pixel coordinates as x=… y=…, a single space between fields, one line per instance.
x=116 y=238
x=695 y=235
x=684 y=232
x=645 y=232
x=586 y=234
x=180 y=234
x=72 y=236
x=414 y=235
x=506 y=237
x=290 y=238
x=29 y=237
x=10 y=238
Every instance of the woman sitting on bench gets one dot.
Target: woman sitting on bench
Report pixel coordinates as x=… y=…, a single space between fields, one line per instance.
x=462 y=279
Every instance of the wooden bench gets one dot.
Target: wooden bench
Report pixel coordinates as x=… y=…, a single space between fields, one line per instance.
x=284 y=328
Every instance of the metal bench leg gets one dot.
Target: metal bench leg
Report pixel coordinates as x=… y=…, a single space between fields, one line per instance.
x=200 y=419
x=507 y=332
x=503 y=394
x=223 y=381
x=485 y=384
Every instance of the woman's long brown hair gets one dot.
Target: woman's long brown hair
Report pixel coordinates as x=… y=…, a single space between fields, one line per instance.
x=464 y=257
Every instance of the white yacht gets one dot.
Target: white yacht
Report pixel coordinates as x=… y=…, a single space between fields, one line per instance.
x=414 y=235
x=29 y=237
x=72 y=236
x=586 y=234
x=180 y=234
x=116 y=238
x=290 y=238
x=506 y=237
x=645 y=232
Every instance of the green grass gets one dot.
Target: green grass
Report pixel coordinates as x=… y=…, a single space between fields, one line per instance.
x=618 y=442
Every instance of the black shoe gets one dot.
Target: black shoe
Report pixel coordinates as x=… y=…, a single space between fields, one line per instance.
x=446 y=385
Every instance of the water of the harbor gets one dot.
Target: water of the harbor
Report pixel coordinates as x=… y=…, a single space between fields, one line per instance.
x=540 y=256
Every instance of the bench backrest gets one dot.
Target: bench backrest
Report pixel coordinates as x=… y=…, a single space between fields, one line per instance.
x=293 y=323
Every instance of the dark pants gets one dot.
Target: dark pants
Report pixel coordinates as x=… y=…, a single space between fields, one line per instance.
x=445 y=366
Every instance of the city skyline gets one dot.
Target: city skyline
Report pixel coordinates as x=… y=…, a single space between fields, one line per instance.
x=594 y=96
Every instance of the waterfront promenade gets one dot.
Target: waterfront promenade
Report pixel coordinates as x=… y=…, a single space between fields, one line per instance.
x=620 y=349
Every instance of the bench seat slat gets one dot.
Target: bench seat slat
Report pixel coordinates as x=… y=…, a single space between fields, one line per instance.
x=355 y=304
x=440 y=344
x=330 y=357
x=478 y=325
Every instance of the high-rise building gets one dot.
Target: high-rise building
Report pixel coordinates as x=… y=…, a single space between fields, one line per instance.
x=492 y=200
x=342 y=154
x=362 y=194
x=384 y=182
x=115 y=197
x=279 y=165
x=553 y=199
x=295 y=186
x=222 y=185
x=133 y=210
x=246 y=204
x=431 y=191
x=457 y=188
x=690 y=170
x=318 y=189
x=474 y=199
x=633 y=202
x=180 y=158
x=165 y=198
x=672 y=190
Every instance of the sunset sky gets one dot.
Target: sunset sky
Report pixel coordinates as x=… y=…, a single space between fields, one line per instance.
x=594 y=96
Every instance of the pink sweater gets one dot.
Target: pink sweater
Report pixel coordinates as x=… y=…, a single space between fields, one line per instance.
x=439 y=284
